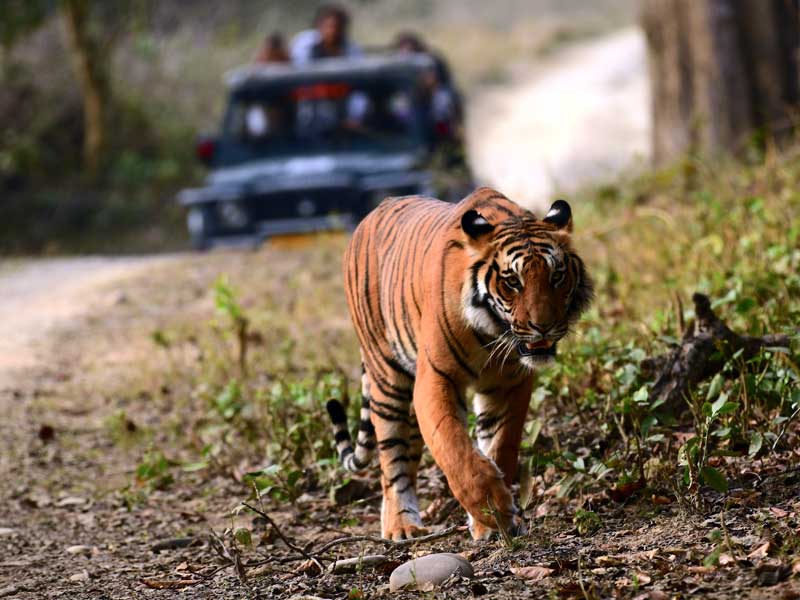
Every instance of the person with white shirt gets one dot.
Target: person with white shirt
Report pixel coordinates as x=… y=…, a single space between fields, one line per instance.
x=328 y=39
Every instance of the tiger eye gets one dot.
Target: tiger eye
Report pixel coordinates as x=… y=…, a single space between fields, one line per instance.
x=513 y=283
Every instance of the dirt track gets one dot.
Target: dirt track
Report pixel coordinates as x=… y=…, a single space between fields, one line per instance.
x=580 y=116
x=38 y=295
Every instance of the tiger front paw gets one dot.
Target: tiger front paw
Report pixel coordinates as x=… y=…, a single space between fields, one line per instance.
x=488 y=501
x=482 y=532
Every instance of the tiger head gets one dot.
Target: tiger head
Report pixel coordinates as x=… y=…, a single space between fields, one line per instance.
x=525 y=285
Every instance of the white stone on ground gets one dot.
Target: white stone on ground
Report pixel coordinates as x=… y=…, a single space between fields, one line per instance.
x=429 y=571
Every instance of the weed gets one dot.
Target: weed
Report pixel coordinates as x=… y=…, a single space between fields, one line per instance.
x=154 y=471
x=586 y=521
x=276 y=482
x=228 y=306
x=122 y=429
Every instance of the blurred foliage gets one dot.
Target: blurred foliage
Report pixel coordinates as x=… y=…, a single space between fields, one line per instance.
x=19 y=18
x=165 y=61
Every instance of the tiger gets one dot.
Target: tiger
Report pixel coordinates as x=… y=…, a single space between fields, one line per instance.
x=449 y=300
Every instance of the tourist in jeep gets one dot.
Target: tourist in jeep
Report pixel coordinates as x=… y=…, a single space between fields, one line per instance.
x=273 y=50
x=439 y=95
x=328 y=39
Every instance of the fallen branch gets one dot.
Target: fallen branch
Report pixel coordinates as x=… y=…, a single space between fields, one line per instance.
x=170 y=584
x=286 y=540
x=175 y=543
x=701 y=354
x=352 y=565
x=392 y=544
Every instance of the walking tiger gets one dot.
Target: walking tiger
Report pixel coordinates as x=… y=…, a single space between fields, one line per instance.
x=446 y=300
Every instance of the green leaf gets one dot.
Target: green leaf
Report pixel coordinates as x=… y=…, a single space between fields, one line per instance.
x=242 y=535
x=714 y=388
x=566 y=484
x=745 y=305
x=536 y=428
x=293 y=477
x=228 y=402
x=722 y=432
x=713 y=559
x=756 y=441
x=647 y=424
x=525 y=485
x=626 y=375
x=637 y=354
x=714 y=479
x=718 y=404
x=727 y=408
x=727 y=299
x=195 y=466
x=160 y=338
x=225 y=299
x=641 y=395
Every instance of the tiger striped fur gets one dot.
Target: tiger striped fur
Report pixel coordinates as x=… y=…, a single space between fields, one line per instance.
x=448 y=299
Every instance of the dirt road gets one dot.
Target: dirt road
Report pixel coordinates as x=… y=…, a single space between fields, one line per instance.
x=581 y=116
x=38 y=295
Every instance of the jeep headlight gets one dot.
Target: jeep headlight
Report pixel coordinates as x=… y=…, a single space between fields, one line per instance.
x=232 y=214
x=196 y=222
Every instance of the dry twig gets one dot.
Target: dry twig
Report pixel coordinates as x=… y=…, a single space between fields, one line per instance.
x=392 y=544
x=286 y=540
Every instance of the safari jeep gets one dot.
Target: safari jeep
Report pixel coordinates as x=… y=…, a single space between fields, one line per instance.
x=316 y=147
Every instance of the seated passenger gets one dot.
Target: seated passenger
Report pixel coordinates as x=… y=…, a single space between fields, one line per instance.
x=273 y=50
x=328 y=39
x=440 y=96
x=408 y=42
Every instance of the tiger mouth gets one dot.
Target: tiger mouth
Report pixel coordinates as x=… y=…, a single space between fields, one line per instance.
x=540 y=348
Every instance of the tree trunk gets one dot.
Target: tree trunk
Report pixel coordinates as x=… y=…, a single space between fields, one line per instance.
x=90 y=67
x=721 y=71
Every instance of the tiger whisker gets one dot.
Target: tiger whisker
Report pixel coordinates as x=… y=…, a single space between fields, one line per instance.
x=495 y=344
x=495 y=350
x=500 y=346
x=509 y=349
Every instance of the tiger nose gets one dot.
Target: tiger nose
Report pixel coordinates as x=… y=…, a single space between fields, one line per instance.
x=520 y=327
x=525 y=330
x=541 y=329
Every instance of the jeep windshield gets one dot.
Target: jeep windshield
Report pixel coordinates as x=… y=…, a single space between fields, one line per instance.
x=324 y=116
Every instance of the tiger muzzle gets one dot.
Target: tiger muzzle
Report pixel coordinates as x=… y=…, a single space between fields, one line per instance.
x=542 y=347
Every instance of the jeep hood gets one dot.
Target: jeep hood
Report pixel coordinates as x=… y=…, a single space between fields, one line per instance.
x=317 y=167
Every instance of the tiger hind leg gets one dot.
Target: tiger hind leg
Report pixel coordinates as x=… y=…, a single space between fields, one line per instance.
x=399 y=447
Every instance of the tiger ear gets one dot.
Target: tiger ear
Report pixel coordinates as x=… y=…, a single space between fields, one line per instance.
x=475 y=224
x=560 y=215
